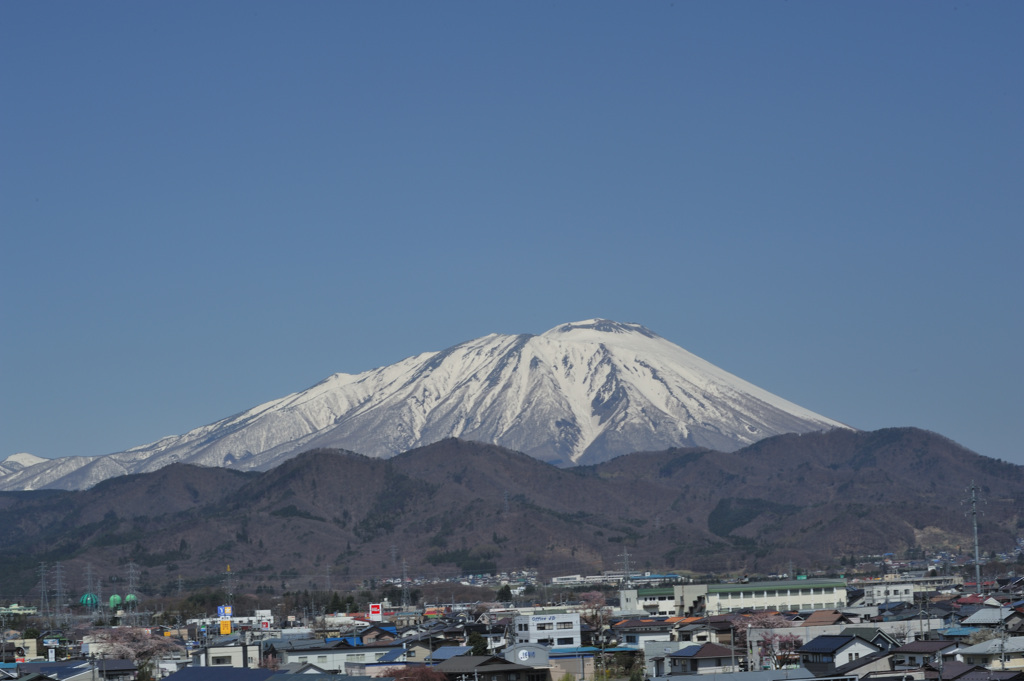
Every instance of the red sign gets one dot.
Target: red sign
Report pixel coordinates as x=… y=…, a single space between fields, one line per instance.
x=375 y=609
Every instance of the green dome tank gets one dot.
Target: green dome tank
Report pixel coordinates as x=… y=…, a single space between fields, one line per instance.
x=115 y=601
x=89 y=600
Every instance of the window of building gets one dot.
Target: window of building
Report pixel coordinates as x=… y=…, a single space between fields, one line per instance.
x=565 y=641
x=220 y=660
x=410 y=653
x=544 y=627
x=630 y=638
x=565 y=625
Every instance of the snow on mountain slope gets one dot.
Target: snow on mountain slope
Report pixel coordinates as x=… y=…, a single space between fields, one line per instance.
x=579 y=393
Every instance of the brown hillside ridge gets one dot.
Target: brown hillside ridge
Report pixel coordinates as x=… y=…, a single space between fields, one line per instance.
x=457 y=506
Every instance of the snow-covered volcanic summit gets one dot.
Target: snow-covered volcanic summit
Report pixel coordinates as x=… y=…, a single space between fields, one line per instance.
x=579 y=393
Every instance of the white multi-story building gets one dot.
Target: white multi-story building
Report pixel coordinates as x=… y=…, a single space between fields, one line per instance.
x=717 y=599
x=553 y=630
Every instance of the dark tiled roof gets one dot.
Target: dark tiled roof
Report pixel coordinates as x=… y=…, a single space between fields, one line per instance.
x=825 y=644
x=705 y=650
x=465 y=664
x=924 y=646
x=849 y=668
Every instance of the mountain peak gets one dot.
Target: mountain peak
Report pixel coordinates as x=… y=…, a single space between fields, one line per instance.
x=603 y=326
x=23 y=459
x=581 y=393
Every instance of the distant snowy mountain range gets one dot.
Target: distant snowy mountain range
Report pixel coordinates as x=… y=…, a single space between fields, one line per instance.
x=580 y=393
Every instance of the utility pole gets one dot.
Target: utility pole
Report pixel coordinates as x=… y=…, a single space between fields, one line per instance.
x=625 y=566
x=974 y=519
x=60 y=596
x=132 y=598
x=405 y=585
x=44 y=599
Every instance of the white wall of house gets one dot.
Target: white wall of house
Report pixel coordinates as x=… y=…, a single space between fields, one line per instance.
x=707 y=665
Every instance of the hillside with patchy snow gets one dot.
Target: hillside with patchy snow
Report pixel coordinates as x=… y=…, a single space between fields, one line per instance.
x=580 y=393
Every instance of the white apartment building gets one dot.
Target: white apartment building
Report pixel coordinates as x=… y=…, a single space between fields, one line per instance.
x=558 y=630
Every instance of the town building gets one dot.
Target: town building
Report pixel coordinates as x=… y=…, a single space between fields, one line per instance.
x=550 y=629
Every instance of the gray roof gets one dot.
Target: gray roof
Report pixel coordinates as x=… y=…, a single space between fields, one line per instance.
x=466 y=664
x=761 y=675
x=221 y=674
x=988 y=615
x=448 y=652
x=994 y=646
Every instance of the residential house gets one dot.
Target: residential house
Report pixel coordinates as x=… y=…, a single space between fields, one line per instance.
x=634 y=633
x=707 y=658
x=919 y=653
x=822 y=618
x=878 y=663
x=995 y=654
x=334 y=656
x=228 y=651
x=993 y=617
x=656 y=662
x=488 y=668
x=874 y=635
x=823 y=654
x=694 y=630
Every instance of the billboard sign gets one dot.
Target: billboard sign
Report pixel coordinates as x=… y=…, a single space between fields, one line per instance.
x=376 y=612
x=225 y=627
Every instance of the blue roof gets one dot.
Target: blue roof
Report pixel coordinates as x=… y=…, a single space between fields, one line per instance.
x=688 y=651
x=392 y=655
x=58 y=670
x=958 y=631
x=448 y=652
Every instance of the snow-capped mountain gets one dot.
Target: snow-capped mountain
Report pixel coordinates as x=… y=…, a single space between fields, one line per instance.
x=579 y=393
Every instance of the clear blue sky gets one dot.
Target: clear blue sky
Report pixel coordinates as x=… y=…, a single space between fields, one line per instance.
x=207 y=205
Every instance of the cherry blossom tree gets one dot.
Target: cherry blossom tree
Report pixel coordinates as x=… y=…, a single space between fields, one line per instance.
x=136 y=644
